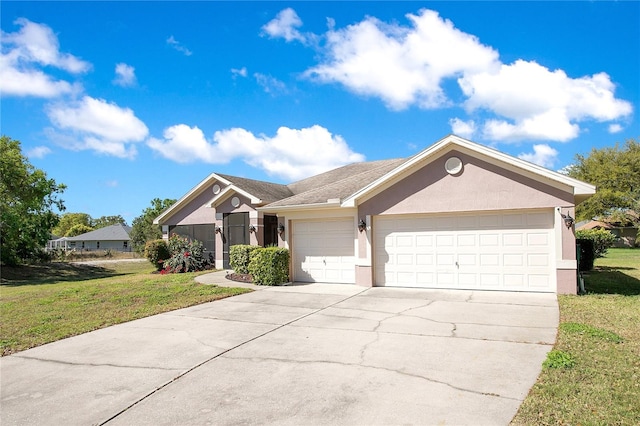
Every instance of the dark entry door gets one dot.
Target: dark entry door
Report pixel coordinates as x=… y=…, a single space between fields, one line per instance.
x=236 y=231
x=270 y=230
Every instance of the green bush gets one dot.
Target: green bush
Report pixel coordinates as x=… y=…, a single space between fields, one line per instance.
x=240 y=256
x=186 y=255
x=269 y=266
x=602 y=240
x=156 y=252
x=587 y=254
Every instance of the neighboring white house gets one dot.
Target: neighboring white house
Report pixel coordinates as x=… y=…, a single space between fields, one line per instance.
x=114 y=237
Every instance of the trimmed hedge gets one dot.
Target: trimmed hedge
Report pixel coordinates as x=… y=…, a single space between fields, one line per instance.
x=156 y=252
x=587 y=254
x=601 y=238
x=269 y=266
x=240 y=256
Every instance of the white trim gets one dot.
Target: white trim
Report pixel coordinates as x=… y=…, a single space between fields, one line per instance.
x=566 y=264
x=198 y=189
x=452 y=141
x=315 y=206
x=186 y=198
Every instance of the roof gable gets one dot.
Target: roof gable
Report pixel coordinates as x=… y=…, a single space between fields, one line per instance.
x=581 y=190
x=258 y=192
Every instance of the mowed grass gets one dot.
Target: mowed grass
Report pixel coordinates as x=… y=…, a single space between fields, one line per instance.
x=41 y=304
x=592 y=377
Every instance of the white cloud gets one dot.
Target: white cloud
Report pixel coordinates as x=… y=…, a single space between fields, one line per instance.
x=615 y=128
x=465 y=129
x=539 y=103
x=402 y=65
x=24 y=52
x=285 y=25
x=270 y=84
x=95 y=124
x=125 y=75
x=292 y=153
x=171 y=41
x=38 y=152
x=242 y=72
x=406 y=65
x=542 y=155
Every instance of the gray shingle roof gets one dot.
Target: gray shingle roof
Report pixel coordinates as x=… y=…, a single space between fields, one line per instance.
x=266 y=191
x=339 y=183
x=108 y=233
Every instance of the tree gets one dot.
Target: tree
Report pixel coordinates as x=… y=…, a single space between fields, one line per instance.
x=27 y=200
x=142 y=227
x=104 y=221
x=616 y=174
x=68 y=221
x=78 y=229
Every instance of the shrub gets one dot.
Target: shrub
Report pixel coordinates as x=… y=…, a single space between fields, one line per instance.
x=156 y=252
x=240 y=256
x=602 y=240
x=587 y=254
x=186 y=255
x=269 y=266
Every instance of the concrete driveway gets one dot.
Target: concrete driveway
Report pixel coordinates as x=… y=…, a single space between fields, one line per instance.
x=308 y=354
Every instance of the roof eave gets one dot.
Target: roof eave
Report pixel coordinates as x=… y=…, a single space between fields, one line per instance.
x=312 y=206
x=580 y=189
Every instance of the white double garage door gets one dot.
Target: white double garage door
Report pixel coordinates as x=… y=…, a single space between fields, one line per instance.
x=489 y=251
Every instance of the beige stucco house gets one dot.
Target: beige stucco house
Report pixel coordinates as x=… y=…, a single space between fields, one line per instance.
x=458 y=215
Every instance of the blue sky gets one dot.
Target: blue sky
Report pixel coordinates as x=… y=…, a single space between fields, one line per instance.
x=128 y=101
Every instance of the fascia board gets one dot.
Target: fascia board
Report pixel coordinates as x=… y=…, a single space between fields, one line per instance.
x=450 y=142
x=221 y=197
x=294 y=207
x=228 y=191
x=383 y=181
x=185 y=199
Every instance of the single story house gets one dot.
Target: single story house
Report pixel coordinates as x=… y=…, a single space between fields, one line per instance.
x=625 y=235
x=114 y=237
x=458 y=215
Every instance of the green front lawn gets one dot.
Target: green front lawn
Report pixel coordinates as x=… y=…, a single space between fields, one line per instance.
x=595 y=379
x=41 y=304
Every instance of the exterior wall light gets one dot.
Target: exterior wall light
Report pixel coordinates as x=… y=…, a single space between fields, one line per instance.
x=280 y=229
x=568 y=220
x=218 y=229
x=252 y=229
x=362 y=225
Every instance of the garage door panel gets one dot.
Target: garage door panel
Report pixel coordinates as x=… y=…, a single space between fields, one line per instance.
x=323 y=251
x=493 y=251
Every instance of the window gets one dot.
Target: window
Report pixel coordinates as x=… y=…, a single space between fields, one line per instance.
x=98 y=244
x=125 y=244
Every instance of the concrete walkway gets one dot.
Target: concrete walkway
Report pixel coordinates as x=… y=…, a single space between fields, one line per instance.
x=295 y=355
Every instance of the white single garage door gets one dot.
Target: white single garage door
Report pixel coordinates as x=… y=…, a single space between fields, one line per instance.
x=323 y=251
x=496 y=251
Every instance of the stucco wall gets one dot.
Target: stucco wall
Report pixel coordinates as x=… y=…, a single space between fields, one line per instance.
x=567 y=281
x=195 y=212
x=480 y=186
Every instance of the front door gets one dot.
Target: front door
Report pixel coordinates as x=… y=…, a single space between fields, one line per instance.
x=236 y=231
x=270 y=231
